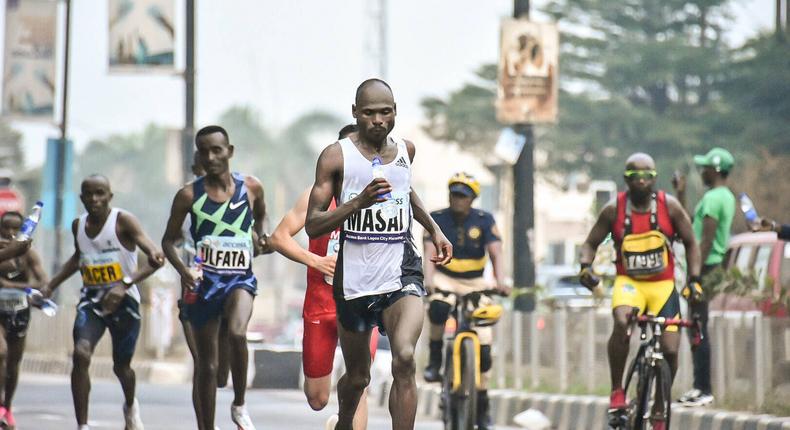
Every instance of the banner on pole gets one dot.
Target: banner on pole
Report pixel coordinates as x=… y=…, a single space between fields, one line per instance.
x=527 y=77
x=142 y=35
x=49 y=184
x=29 y=62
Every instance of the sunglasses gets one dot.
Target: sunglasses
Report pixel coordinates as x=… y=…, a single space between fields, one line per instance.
x=640 y=174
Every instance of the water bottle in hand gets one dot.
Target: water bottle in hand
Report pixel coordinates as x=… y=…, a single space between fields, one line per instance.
x=749 y=212
x=191 y=296
x=49 y=307
x=388 y=208
x=30 y=223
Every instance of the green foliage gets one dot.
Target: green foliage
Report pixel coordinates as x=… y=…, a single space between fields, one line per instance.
x=136 y=163
x=736 y=282
x=641 y=75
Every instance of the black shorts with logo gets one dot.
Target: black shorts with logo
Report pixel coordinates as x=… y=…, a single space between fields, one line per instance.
x=364 y=313
x=15 y=323
x=123 y=324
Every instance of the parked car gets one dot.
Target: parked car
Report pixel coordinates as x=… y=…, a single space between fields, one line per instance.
x=768 y=258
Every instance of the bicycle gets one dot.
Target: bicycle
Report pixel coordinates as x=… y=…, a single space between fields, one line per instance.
x=651 y=372
x=461 y=377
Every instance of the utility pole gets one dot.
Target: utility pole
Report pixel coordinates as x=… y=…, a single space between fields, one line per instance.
x=376 y=43
x=189 y=94
x=62 y=145
x=523 y=202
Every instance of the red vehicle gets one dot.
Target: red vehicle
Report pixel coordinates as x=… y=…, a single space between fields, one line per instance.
x=769 y=258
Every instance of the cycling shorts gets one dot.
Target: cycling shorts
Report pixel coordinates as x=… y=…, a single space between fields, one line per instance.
x=659 y=298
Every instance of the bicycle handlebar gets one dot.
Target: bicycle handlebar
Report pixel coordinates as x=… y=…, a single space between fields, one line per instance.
x=694 y=324
x=486 y=292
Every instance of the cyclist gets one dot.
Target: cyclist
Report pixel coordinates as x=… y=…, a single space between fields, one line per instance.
x=642 y=222
x=473 y=234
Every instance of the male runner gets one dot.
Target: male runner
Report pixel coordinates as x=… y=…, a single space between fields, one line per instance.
x=16 y=274
x=378 y=281
x=712 y=222
x=226 y=211
x=105 y=252
x=642 y=223
x=473 y=234
x=320 y=318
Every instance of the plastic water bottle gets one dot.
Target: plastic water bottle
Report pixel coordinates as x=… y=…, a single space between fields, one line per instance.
x=749 y=212
x=49 y=307
x=388 y=208
x=30 y=223
x=190 y=295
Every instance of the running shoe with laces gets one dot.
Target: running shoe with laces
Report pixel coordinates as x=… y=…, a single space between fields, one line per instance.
x=331 y=423
x=132 y=416
x=617 y=399
x=696 y=397
x=241 y=418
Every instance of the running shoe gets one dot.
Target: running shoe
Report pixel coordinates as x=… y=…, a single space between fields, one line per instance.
x=696 y=397
x=241 y=418
x=9 y=420
x=132 y=416
x=331 y=423
x=617 y=400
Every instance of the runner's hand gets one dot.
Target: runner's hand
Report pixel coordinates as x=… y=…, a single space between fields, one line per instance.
x=113 y=298
x=45 y=291
x=372 y=193
x=503 y=289
x=765 y=224
x=263 y=244
x=18 y=247
x=444 y=249
x=326 y=265
x=156 y=259
x=679 y=182
x=188 y=282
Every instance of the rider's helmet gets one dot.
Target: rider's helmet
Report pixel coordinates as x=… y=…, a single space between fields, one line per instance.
x=465 y=184
x=487 y=315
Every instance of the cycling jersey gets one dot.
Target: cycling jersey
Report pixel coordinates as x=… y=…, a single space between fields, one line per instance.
x=469 y=239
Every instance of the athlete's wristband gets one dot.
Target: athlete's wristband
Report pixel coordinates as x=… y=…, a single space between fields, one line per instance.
x=584 y=266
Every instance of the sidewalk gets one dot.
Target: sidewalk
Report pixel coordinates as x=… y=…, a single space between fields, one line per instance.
x=589 y=412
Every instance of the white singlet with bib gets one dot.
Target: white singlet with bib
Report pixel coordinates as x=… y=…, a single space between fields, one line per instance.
x=373 y=245
x=103 y=260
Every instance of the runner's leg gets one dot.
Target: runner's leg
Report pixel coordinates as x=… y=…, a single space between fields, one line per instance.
x=206 y=372
x=16 y=347
x=189 y=335
x=88 y=329
x=356 y=355
x=4 y=334
x=403 y=322
x=223 y=352
x=238 y=309
x=124 y=331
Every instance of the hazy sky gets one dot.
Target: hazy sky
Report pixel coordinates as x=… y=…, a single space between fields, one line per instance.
x=286 y=58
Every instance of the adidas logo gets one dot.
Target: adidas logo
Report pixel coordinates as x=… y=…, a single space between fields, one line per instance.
x=402 y=163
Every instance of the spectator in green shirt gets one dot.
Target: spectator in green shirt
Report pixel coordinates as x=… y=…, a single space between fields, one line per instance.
x=712 y=222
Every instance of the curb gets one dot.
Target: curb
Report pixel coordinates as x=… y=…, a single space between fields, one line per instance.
x=584 y=412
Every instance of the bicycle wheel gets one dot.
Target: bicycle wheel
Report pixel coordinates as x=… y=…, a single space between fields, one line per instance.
x=447 y=387
x=641 y=403
x=660 y=400
x=628 y=419
x=464 y=400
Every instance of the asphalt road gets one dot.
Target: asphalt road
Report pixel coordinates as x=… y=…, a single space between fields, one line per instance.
x=44 y=403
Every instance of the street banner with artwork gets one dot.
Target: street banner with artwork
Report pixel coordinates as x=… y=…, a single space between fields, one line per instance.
x=142 y=35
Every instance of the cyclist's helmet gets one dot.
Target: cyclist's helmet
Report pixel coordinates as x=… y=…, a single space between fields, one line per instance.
x=465 y=184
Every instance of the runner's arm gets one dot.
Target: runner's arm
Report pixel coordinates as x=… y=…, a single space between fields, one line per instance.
x=70 y=267
x=685 y=232
x=429 y=269
x=15 y=248
x=282 y=237
x=602 y=227
x=173 y=234
x=320 y=220
x=133 y=230
x=444 y=249
x=255 y=187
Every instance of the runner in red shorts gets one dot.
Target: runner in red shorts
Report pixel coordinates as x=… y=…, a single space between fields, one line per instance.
x=320 y=320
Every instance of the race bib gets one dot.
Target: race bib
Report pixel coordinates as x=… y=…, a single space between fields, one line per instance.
x=226 y=255
x=12 y=301
x=383 y=222
x=646 y=254
x=100 y=270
